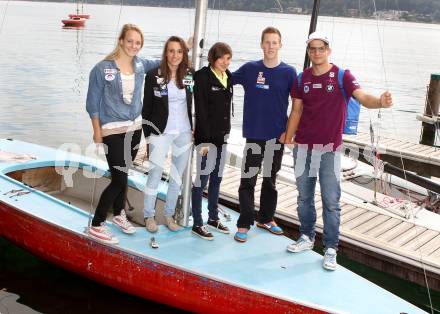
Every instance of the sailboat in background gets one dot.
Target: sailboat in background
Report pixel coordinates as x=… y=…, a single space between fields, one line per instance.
x=82 y=14
x=78 y=19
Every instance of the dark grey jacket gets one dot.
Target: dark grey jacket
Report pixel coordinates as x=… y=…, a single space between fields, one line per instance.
x=212 y=107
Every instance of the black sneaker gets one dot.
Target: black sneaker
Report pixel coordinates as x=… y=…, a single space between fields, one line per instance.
x=202 y=232
x=217 y=225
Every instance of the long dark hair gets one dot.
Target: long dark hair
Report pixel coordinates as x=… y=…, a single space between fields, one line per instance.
x=182 y=70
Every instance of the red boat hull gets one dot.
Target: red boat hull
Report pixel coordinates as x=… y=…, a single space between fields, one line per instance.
x=134 y=274
x=74 y=23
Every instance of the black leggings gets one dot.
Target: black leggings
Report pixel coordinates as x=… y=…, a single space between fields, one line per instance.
x=115 y=193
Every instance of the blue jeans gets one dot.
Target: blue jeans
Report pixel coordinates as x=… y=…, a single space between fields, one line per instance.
x=208 y=167
x=159 y=146
x=308 y=165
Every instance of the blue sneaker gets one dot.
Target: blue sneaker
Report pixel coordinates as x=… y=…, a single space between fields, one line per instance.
x=240 y=237
x=271 y=227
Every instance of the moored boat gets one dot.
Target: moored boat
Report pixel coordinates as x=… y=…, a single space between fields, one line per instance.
x=77 y=19
x=45 y=205
x=74 y=22
x=83 y=16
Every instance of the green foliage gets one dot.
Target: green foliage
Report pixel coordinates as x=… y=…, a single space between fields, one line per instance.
x=417 y=10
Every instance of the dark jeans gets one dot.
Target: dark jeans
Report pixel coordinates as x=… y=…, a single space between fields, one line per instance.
x=255 y=152
x=115 y=193
x=208 y=167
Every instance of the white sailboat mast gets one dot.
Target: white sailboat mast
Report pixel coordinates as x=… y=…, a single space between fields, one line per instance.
x=199 y=40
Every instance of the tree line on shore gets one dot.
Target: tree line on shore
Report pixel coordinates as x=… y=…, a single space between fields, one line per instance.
x=409 y=10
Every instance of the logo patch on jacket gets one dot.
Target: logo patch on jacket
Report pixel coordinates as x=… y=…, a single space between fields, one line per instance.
x=109 y=77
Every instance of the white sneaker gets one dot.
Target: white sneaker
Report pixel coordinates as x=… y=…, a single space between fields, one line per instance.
x=122 y=222
x=102 y=233
x=302 y=244
x=330 y=262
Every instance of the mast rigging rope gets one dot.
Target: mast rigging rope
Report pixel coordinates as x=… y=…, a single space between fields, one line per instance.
x=4 y=16
x=419 y=245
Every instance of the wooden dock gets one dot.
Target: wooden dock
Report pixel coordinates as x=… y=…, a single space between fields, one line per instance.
x=417 y=157
x=368 y=234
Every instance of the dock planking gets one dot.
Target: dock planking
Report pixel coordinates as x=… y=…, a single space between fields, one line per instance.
x=416 y=157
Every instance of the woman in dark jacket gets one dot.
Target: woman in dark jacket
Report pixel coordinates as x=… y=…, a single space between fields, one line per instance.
x=213 y=99
x=167 y=123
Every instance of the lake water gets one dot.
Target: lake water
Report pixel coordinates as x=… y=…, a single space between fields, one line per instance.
x=45 y=68
x=44 y=78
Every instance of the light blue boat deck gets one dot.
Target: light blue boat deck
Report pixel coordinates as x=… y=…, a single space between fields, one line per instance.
x=262 y=264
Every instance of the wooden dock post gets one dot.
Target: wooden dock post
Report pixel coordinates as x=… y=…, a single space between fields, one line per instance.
x=429 y=119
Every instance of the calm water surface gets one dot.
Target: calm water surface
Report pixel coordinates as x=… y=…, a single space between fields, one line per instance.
x=45 y=67
x=44 y=78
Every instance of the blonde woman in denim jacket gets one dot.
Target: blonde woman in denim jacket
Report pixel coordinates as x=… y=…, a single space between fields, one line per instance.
x=114 y=105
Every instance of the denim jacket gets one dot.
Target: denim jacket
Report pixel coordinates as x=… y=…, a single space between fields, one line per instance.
x=104 y=96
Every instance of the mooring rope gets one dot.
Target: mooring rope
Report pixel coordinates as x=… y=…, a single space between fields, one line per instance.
x=96 y=145
x=416 y=228
x=4 y=16
x=119 y=19
x=92 y=199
